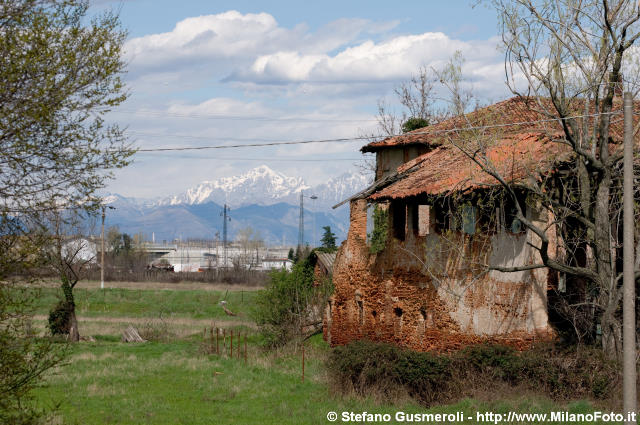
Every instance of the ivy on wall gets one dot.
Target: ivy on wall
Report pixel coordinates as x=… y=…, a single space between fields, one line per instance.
x=378 y=237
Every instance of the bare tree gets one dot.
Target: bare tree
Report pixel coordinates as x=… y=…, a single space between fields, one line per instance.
x=451 y=78
x=566 y=58
x=251 y=242
x=417 y=98
x=71 y=255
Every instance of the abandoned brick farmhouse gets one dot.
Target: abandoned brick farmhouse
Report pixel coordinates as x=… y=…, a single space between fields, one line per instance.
x=427 y=285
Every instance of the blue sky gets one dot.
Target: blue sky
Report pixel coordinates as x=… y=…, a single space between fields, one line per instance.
x=456 y=17
x=211 y=73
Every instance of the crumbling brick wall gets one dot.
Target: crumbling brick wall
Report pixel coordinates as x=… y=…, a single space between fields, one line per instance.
x=390 y=296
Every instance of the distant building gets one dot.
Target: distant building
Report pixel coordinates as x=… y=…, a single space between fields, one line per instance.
x=323 y=268
x=277 y=264
x=80 y=249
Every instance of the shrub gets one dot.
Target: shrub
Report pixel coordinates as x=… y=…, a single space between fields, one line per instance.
x=386 y=369
x=498 y=360
x=290 y=303
x=414 y=123
x=156 y=331
x=60 y=318
x=25 y=357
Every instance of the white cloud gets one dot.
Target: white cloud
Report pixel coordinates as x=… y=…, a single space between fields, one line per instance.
x=320 y=84
x=254 y=51
x=225 y=34
x=219 y=106
x=391 y=60
x=230 y=39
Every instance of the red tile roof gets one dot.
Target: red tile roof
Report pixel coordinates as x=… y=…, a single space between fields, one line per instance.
x=509 y=116
x=514 y=110
x=516 y=147
x=447 y=168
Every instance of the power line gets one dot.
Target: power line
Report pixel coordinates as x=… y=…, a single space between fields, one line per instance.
x=299 y=142
x=190 y=136
x=276 y=159
x=360 y=138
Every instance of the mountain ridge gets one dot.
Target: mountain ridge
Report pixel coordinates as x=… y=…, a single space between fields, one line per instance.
x=261 y=198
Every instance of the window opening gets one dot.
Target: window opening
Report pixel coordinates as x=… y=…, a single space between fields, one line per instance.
x=399 y=213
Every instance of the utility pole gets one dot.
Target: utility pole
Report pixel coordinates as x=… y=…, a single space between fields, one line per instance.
x=301 y=223
x=217 y=252
x=315 y=213
x=224 y=231
x=102 y=253
x=104 y=207
x=628 y=283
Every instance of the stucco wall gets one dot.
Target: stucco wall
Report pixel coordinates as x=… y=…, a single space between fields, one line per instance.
x=388 y=160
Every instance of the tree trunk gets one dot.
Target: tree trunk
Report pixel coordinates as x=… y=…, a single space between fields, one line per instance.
x=611 y=336
x=607 y=299
x=67 y=289
x=74 y=335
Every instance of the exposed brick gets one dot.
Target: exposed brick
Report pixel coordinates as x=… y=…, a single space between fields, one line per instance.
x=358 y=219
x=389 y=297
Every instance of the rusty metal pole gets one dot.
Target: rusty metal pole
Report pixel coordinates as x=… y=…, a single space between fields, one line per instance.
x=231 y=344
x=628 y=310
x=217 y=341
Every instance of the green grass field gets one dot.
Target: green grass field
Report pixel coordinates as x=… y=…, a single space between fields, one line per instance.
x=195 y=304
x=176 y=382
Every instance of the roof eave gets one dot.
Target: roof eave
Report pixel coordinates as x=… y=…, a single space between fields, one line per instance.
x=378 y=184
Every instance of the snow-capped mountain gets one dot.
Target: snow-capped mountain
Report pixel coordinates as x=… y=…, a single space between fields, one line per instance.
x=339 y=188
x=261 y=198
x=261 y=186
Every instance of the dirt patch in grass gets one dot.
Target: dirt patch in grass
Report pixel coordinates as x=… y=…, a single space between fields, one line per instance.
x=175 y=327
x=172 y=320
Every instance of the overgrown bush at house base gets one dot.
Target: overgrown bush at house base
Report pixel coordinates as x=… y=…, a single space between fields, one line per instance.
x=387 y=370
x=370 y=367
